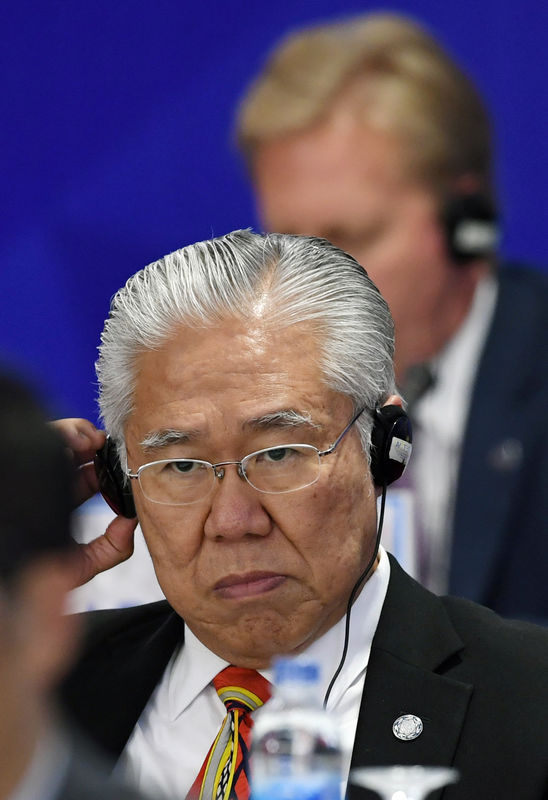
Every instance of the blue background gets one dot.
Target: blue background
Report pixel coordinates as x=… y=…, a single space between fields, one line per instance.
x=116 y=147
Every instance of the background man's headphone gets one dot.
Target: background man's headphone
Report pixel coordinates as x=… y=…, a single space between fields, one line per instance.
x=390 y=451
x=471 y=227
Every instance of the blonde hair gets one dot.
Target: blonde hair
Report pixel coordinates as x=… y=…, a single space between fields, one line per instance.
x=396 y=77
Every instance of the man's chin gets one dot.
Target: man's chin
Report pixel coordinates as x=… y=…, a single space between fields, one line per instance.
x=254 y=633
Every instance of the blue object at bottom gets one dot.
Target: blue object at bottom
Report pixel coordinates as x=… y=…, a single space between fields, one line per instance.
x=307 y=787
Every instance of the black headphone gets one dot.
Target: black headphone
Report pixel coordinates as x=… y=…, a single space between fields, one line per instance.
x=113 y=484
x=471 y=227
x=390 y=451
x=391 y=444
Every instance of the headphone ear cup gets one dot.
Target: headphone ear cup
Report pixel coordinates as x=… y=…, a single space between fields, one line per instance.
x=391 y=444
x=471 y=227
x=112 y=482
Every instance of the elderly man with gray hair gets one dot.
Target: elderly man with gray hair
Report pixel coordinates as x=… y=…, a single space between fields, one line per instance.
x=247 y=387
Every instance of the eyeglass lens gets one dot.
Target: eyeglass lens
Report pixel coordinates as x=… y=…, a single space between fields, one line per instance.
x=275 y=470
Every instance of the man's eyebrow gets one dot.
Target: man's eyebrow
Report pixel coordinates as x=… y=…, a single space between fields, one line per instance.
x=155 y=440
x=286 y=418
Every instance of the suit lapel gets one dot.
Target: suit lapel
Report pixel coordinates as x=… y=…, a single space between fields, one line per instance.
x=494 y=442
x=408 y=673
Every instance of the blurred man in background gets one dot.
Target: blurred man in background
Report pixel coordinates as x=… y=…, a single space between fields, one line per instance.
x=367 y=133
x=39 y=759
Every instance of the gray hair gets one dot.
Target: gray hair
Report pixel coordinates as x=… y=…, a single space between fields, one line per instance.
x=282 y=279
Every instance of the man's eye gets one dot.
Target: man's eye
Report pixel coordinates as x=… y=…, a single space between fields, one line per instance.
x=183 y=467
x=277 y=454
x=280 y=455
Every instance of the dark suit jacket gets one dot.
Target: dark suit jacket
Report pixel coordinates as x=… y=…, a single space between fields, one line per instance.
x=479 y=684
x=500 y=541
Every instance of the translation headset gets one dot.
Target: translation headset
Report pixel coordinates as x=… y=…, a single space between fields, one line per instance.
x=390 y=451
x=391 y=443
x=113 y=484
x=471 y=227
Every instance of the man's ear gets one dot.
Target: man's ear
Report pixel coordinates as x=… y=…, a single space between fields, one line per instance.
x=47 y=635
x=394 y=400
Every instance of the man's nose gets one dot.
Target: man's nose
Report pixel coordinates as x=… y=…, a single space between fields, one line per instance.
x=236 y=508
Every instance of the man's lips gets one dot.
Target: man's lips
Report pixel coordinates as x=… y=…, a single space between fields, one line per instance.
x=248 y=584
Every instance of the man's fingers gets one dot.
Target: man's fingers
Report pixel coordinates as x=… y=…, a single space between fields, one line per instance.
x=87 y=484
x=116 y=544
x=83 y=440
x=81 y=436
x=108 y=550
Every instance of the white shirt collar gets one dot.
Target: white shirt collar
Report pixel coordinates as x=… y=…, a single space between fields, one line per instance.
x=443 y=409
x=193 y=666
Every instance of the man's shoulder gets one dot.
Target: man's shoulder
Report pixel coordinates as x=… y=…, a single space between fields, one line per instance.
x=138 y=621
x=459 y=634
x=484 y=631
x=505 y=661
x=109 y=620
x=511 y=368
x=523 y=292
x=122 y=642
x=523 y=274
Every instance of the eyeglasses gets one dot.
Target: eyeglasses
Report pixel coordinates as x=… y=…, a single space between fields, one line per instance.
x=274 y=470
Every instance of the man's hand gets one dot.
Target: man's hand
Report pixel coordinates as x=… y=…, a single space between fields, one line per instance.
x=116 y=544
x=83 y=440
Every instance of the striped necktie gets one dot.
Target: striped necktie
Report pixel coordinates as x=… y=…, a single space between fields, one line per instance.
x=225 y=772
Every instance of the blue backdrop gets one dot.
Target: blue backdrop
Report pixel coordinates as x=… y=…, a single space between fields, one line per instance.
x=116 y=147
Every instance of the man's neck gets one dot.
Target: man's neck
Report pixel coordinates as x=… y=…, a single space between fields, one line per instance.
x=426 y=341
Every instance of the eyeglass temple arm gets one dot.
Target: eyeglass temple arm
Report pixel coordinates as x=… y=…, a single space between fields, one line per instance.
x=338 y=439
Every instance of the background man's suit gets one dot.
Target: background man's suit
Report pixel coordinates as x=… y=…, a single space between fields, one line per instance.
x=500 y=550
x=479 y=684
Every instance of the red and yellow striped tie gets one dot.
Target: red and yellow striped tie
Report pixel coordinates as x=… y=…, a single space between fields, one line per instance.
x=225 y=772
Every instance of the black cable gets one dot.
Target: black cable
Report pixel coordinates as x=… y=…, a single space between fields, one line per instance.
x=353 y=594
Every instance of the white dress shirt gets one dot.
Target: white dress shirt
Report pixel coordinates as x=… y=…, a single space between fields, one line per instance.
x=175 y=731
x=439 y=420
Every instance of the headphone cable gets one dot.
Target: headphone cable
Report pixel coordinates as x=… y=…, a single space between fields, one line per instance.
x=353 y=594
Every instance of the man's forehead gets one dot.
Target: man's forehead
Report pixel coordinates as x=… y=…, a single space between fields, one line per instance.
x=230 y=359
x=233 y=340
x=219 y=377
